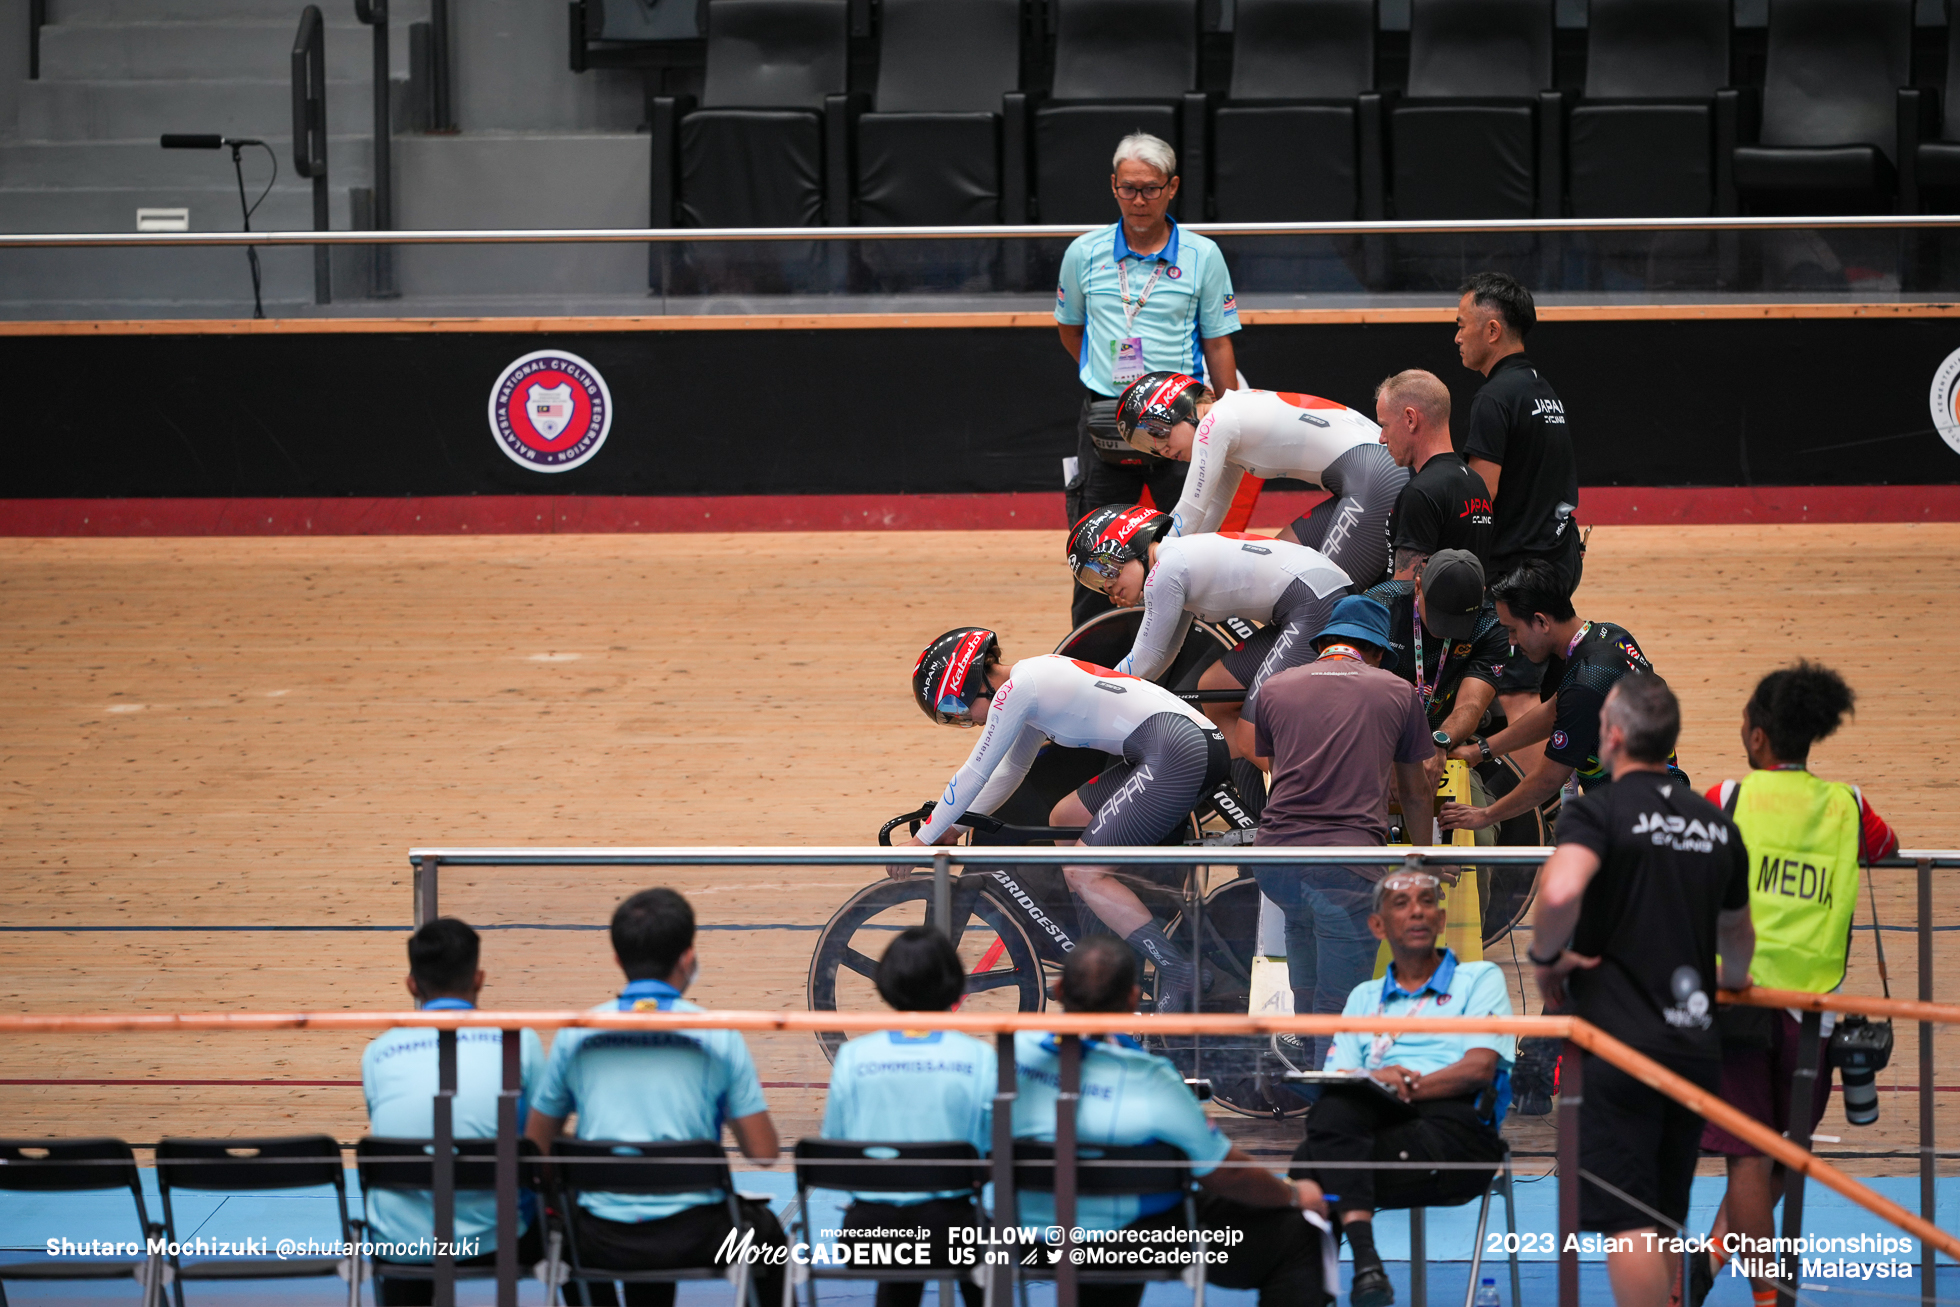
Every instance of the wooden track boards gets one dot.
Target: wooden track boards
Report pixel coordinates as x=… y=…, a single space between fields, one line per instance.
x=251 y=732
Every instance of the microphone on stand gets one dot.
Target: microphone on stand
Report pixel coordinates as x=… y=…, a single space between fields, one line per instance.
x=203 y=141
x=198 y=141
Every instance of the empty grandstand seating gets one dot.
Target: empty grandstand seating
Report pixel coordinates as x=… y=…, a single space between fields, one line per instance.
x=931 y=152
x=955 y=112
x=1642 y=140
x=1299 y=138
x=1121 y=66
x=1478 y=134
x=1826 y=132
x=1929 y=141
x=752 y=154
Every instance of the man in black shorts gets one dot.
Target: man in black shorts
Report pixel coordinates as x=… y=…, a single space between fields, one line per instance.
x=1448 y=644
x=1583 y=659
x=1518 y=442
x=1445 y=505
x=1648 y=883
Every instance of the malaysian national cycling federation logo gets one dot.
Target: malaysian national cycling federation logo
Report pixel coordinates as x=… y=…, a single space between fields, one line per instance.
x=550 y=411
x=1946 y=401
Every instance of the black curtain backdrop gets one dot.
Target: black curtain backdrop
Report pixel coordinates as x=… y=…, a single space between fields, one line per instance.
x=1837 y=401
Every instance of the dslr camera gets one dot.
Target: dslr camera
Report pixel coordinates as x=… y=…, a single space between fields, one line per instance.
x=1860 y=1049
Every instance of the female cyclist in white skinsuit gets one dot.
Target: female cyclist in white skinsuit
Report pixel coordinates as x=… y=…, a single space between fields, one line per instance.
x=1122 y=553
x=1270 y=434
x=1166 y=759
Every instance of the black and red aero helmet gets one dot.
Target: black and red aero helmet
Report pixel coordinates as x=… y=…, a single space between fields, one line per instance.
x=952 y=672
x=1109 y=537
x=1154 y=403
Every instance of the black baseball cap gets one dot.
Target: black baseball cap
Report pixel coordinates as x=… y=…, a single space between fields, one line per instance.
x=1452 y=593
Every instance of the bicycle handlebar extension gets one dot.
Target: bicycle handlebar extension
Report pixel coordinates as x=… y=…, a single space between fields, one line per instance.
x=975 y=821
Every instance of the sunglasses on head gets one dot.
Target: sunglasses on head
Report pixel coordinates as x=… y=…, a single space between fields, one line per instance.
x=1413 y=881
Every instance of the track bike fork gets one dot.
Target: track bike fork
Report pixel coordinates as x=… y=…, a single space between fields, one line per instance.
x=1226 y=802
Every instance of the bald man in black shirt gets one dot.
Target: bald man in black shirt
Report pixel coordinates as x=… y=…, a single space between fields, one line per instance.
x=1444 y=505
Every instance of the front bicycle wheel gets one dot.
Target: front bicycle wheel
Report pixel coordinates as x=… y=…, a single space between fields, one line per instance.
x=1243 y=1072
x=1004 y=970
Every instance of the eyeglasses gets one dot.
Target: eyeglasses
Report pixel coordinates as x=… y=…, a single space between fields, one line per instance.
x=1147 y=192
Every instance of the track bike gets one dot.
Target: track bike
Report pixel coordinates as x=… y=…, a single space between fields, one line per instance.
x=1015 y=923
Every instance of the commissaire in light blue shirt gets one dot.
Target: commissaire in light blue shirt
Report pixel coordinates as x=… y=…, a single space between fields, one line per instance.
x=1190 y=303
x=1457 y=989
x=649 y=1086
x=1129 y=1096
x=926 y=1086
x=398 y=1077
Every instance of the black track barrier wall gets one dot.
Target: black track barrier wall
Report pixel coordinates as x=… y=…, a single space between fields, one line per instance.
x=1725 y=402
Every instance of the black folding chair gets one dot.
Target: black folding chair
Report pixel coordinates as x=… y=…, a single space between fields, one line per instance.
x=73 y=1166
x=408 y=1166
x=1446 y=1196
x=256 y=1166
x=881 y=1168
x=1108 y=1171
x=612 y=1166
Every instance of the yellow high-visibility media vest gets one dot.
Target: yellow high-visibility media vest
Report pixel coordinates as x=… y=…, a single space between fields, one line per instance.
x=1802 y=837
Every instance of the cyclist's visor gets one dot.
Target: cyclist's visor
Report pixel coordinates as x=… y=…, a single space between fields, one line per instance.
x=953 y=710
x=1098 y=570
x=1148 y=435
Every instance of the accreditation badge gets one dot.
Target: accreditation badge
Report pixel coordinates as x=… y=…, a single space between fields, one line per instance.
x=1127 y=354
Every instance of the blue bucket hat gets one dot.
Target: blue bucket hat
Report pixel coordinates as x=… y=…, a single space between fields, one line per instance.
x=1360 y=618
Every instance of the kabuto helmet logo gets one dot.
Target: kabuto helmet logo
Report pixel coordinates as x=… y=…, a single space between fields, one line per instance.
x=550 y=411
x=1946 y=401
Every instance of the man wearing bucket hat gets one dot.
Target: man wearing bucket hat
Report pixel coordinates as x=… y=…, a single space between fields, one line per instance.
x=1328 y=732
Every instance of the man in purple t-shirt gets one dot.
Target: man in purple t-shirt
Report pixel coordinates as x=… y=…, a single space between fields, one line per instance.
x=1333 y=733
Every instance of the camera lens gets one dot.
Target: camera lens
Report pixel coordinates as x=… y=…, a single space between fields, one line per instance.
x=1860 y=1094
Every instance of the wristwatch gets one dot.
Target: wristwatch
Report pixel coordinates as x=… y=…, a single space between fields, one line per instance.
x=1483 y=746
x=1443 y=740
x=1537 y=961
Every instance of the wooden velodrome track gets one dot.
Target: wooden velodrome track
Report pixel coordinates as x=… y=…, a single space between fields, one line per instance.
x=217 y=752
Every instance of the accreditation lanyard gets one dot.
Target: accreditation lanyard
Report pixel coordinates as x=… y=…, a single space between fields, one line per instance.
x=1378 y=1051
x=1130 y=309
x=1578 y=636
x=1427 y=689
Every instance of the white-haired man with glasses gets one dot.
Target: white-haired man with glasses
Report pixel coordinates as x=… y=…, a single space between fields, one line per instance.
x=1427 y=1098
x=1140 y=295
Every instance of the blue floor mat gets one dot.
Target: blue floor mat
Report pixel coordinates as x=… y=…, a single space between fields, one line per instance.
x=27 y=1221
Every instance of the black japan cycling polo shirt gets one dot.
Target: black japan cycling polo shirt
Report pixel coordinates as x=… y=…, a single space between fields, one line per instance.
x=1518 y=423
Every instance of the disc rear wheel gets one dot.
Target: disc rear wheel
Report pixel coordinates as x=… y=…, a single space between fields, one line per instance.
x=1004 y=970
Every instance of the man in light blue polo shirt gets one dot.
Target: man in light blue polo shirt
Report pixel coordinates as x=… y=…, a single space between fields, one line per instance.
x=651 y=1086
x=1131 y=1096
x=915 y=1086
x=1427 y=1098
x=1140 y=295
x=398 y=1078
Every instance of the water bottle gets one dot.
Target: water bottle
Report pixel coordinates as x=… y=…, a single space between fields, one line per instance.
x=1486 y=1294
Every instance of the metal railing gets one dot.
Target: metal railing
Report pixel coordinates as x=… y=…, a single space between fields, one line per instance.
x=1070 y=1028
x=427 y=865
x=374 y=14
x=993 y=231
x=310 y=138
